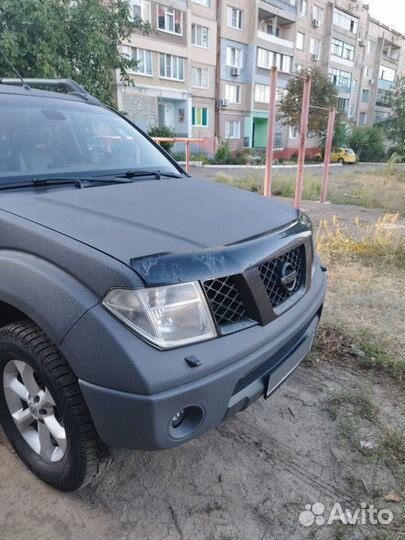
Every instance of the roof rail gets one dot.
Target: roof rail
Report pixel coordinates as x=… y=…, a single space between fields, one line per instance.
x=68 y=85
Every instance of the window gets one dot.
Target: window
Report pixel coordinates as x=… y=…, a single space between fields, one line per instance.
x=368 y=72
x=232 y=129
x=317 y=13
x=144 y=59
x=381 y=116
x=294 y=132
x=140 y=9
x=235 y=18
x=300 y=41
x=342 y=49
x=342 y=79
x=343 y=105
x=199 y=116
x=370 y=46
x=303 y=8
x=232 y=93
x=171 y=67
x=354 y=85
x=363 y=119
x=387 y=74
x=315 y=47
x=234 y=57
x=272 y=29
x=199 y=77
x=267 y=59
x=262 y=93
x=170 y=20
x=206 y=3
x=384 y=98
x=298 y=68
x=365 y=95
x=199 y=36
x=345 y=21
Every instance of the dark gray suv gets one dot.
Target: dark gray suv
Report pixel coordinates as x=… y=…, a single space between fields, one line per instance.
x=139 y=307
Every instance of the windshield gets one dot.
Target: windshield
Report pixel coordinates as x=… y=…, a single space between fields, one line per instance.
x=42 y=136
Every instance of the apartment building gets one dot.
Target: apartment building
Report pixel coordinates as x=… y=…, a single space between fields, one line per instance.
x=174 y=81
x=205 y=68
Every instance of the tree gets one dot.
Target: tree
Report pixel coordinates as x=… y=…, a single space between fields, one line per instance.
x=63 y=38
x=323 y=94
x=163 y=131
x=340 y=136
x=395 y=124
x=368 y=143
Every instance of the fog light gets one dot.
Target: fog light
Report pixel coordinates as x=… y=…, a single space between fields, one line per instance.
x=178 y=418
x=185 y=421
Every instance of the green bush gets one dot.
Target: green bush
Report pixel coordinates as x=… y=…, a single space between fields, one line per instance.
x=223 y=153
x=368 y=143
x=225 y=156
x=162 y=131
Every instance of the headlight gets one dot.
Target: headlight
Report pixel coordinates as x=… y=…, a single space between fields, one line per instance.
x=307 y=221
x=167 y=316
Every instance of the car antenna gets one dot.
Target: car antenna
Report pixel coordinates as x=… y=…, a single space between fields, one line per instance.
x=25 y=85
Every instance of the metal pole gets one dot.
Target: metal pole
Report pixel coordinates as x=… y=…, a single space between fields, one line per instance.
x=268 y=173
x=328 y=150
x=187 y=158
x=303 y=133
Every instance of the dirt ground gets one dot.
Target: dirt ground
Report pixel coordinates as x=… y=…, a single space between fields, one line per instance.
x=331 y=434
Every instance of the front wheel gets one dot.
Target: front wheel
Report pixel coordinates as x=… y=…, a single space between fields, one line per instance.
x=42 y=410
x=341 y=161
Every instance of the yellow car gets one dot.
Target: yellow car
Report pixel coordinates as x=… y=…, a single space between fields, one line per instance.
x=343 y=155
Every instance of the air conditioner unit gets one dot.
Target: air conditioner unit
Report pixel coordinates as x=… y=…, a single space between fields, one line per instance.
x=362 y=42
x=224 y=103
x=316 y=23
x=315 y=57
x=235 y=71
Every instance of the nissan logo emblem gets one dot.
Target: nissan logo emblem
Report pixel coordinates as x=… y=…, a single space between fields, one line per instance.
x=288 y=277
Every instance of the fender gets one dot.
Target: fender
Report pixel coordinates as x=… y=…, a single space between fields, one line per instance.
x=49 y=296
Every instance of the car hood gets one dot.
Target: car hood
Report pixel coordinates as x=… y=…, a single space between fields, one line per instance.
x=144 y=218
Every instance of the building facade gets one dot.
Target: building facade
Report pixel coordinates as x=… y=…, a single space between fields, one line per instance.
x=204 y=70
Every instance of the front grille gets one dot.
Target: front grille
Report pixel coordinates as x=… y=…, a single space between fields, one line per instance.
x=225 y=294
x=270 y=274
x=225 y=302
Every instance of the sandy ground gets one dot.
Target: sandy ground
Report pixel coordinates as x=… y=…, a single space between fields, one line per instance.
x=248 y=480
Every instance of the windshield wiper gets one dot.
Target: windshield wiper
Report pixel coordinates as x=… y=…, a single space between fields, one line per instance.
x=138 y=173
x=40 y=182
x=79 y=183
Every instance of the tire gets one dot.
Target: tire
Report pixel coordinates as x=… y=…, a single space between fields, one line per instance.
x=341 y=160
x=51 y=429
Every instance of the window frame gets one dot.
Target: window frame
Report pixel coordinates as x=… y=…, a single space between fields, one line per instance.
x=231 y=10
x=233 y=123
x=177 y=60
x=238 y=53
x=238 y=92
x=194 y=69
x=194 y=110
x=174 y=10
x=195 y=27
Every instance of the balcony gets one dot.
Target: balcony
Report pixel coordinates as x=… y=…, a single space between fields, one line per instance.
x=285 y=12
x=385 y=85
x=275 y=40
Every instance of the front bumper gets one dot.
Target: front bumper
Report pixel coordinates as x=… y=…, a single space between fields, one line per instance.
x=143 y=420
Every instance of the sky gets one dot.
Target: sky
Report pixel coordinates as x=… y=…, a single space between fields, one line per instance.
x=390 y=12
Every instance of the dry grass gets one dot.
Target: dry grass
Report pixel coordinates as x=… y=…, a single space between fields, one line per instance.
x=384 y=189
x=365 y=309
x=381 y=243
